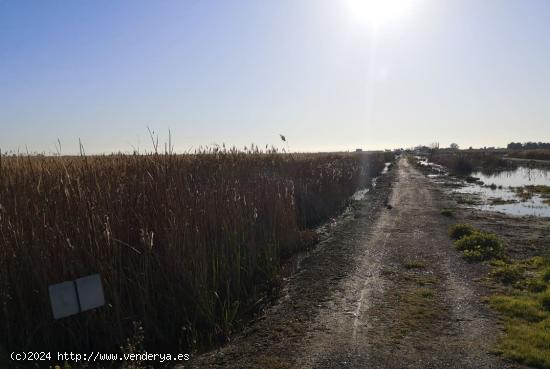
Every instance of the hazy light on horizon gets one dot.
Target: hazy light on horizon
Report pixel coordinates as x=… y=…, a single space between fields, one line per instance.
x=379 y=12
x=464 y=71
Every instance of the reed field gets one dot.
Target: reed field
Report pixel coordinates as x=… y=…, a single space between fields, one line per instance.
x=464 y=162
x=185 y=244
x=535 y=154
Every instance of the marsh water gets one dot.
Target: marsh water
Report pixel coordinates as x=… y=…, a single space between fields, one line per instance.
x=496 y=190
x=360 y=194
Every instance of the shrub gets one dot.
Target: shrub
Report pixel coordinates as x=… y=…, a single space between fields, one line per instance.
x=473 y=255
x=545 y=275
x=480 y=245
x=460 y=230
x=507 y=274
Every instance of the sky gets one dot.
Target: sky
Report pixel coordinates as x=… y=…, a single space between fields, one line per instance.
x=244 y=71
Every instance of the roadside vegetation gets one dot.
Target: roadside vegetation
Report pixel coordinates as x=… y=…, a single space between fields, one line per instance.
x=464 y=162
x=524 y=302
x=460 y=230
x=476 y=245
x=480 y=246
x=186 y=245
x=522 y=298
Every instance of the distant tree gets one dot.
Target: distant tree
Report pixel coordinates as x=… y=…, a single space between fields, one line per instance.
x=528 y=145
x=514 y=146
x=434 y=146
x=454 y=146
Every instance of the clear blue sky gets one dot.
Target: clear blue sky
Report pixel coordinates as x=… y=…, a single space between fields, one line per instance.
x=240 y=72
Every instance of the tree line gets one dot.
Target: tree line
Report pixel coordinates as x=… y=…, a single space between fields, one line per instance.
x=528 y=145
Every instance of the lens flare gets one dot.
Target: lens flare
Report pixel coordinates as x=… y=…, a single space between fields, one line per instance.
x=379 y=12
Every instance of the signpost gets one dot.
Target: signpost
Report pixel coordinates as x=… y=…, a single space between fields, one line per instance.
x=73 y=297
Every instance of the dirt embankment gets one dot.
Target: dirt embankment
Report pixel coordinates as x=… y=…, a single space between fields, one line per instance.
x=385 y=290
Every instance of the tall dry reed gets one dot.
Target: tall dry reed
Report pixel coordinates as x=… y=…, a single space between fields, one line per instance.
x=184 y=244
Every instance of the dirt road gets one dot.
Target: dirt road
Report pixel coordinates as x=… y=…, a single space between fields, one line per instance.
x=385 y=290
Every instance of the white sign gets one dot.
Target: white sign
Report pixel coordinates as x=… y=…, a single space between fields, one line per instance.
x=73 y=297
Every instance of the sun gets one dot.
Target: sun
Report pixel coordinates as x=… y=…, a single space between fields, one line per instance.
x=379 y=12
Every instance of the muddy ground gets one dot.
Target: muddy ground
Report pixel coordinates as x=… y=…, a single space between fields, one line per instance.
x=386 y=289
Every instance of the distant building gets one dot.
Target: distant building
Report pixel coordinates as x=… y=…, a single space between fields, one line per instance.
x=358 y=150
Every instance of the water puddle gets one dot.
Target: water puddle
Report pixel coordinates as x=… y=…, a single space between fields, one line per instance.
x=497 y=192
x=439 y=170
x=387 y=166
x=324 y=231
x=360 y=195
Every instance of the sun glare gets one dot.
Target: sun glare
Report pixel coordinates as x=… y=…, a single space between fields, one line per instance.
x=379 y=12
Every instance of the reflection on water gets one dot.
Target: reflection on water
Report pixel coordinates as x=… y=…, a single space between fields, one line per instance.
x=522 y=176
x=361 y=194
x=497 y=194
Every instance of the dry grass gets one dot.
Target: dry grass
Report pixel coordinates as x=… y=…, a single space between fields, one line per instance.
x=464 y=162
x=185 y=244
x=536 y=154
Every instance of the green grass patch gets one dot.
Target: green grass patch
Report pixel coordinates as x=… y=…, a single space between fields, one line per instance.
x=415 y=264
x=526 y=310
x=426 y=293
x=519 y=306
x=528 y=343
x=447 y=212
x=460 y=230
x=480 y=246
x=508 y=273
x=535 y=285
x=476 y=245
x=418 y=308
